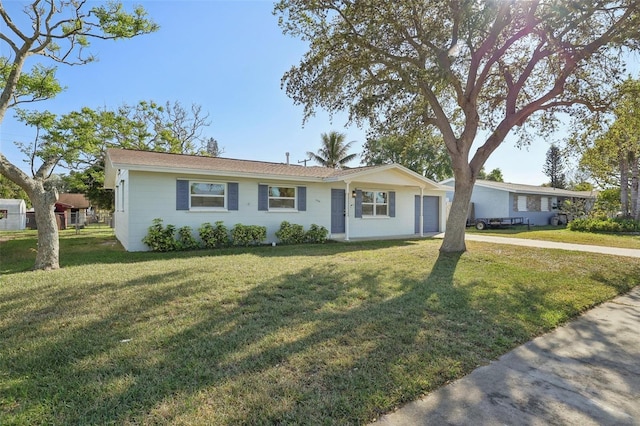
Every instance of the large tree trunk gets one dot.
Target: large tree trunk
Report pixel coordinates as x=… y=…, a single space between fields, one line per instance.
x=43 y=196
x=44 y=199
x=624 y=182
x=635 y=200
x=457 y=221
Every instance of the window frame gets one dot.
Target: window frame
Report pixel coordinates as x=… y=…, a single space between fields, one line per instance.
x=544 y=203
x=374 y=205
x=270 y=197
x=524 y=197
x=224 y=197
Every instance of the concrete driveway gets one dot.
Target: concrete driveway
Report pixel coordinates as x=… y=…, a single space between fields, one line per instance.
x=552 y=245
x=584 y=373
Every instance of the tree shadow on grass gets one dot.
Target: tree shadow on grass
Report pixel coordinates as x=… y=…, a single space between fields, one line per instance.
x=19 y=255
x=584 y=372
x=319 y=345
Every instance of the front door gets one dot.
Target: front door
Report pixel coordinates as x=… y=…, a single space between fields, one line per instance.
x=337 y=211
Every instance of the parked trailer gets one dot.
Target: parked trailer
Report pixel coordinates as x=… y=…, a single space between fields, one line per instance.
x=498 y=222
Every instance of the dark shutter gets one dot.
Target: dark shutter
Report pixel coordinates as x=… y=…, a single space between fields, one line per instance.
x=358 y=203
x=232 y=194
x=263 y=197
x=182 y=195
x=302 y=198
x=392 y=204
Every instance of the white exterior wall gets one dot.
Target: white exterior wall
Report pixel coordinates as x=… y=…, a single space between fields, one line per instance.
x=155 y=197
x=16 y=219
x=150 y=195
x=404 y=221
x=489 y=202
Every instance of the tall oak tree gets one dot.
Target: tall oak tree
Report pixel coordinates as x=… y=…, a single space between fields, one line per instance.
x=474 y=69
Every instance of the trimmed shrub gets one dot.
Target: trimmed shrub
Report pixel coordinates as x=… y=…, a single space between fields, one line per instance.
x=248 y=235
x=186 y=241
x=604 y=225
x=214 y=236
x=316 y=234
x=161 y=238
x=291 y=233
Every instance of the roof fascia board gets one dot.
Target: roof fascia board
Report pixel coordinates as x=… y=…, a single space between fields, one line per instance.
x=421 y=181
x=532 y=191
x=214 y=173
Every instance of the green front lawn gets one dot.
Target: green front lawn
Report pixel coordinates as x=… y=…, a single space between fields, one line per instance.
x=562 y=235
x=335 y=333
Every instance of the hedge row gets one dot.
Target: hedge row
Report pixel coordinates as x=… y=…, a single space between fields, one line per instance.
x=163 y=238
x=604 y=225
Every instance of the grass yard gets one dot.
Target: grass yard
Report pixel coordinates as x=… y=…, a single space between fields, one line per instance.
x=327 y=334
x=563 y=235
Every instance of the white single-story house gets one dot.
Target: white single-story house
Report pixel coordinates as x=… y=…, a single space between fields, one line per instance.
x=186 y=190
x=536 y=204
x=13 y=214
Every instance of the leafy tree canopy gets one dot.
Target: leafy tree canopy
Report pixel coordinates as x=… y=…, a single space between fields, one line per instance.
x=494 y=175
x=608 y=202
x=461 y=66
x=10 y=190
x=424 y=154
x=56 y=32
x=78 y=140
x=91 y=183
x=611 y=149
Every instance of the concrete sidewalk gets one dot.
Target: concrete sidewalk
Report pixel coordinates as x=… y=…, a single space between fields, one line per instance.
x=585 y=373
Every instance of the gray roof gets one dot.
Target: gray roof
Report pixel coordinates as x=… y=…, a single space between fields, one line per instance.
x=533 y=189
x=125 y=157
x=519 y=188
x=160 y=161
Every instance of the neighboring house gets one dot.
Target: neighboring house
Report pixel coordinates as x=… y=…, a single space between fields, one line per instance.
x=70 y=210
x=74 y=207
x=537 y=204
x=184 y=190
x=13 y=214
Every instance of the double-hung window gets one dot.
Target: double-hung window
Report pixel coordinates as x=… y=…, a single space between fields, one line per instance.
x=375 y=203
x=203 y=196
x=282 y=197
x=207 y=195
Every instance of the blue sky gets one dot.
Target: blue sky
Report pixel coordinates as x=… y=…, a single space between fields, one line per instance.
x=228 y=57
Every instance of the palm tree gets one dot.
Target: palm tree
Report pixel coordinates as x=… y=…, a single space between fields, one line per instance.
x=333 y=152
